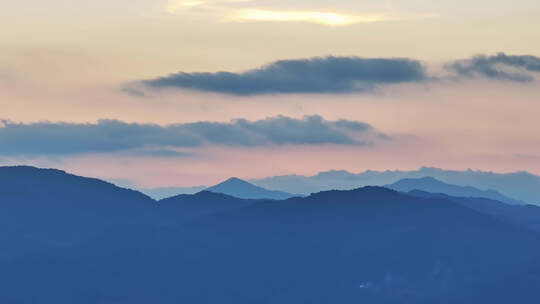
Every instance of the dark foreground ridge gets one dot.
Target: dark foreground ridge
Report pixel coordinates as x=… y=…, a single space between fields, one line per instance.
x=68 y=239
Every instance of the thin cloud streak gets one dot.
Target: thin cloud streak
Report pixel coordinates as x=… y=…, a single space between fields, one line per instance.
x=230 y=11
x=318 y=17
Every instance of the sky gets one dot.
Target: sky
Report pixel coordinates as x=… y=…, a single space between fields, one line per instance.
x=169 y=93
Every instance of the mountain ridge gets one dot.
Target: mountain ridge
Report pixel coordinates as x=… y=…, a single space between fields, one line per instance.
x=527 y=216
x=366 y=245
x=433 y=185
x=522 y=185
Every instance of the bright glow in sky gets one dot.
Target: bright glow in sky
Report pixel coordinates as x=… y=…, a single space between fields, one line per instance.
x=325 y=18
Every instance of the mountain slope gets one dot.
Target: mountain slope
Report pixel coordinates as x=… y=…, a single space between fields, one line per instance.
x=369 y=245
x=527 y=216
x=54 y=186
x=430 y=184
x=242 y=189
x=41 y=208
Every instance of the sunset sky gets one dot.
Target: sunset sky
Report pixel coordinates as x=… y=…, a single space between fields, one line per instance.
x=184 y=93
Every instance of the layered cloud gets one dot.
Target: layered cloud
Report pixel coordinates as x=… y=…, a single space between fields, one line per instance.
x=48 y=138
x=338 y=75
x=316 y=75
x=500 y=66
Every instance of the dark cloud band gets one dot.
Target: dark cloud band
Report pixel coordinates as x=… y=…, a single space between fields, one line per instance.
x=316 y=75
x=48 y=138
x=338 y=75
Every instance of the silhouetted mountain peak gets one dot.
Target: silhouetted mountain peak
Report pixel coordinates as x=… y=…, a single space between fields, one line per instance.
x=233 y=183
x=243 y=189
x=236 y=181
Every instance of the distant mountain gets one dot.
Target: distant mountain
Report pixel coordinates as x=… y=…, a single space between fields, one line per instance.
x=161 y=193
x=521 y=186
x=242 y=189
x=430 y=184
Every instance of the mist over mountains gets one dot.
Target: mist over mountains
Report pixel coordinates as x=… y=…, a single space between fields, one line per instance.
x=71 y=239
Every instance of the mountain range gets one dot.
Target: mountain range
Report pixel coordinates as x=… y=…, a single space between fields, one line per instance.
x=70 y=239
x=232 y=186
x=521 y=186
x=430 y=184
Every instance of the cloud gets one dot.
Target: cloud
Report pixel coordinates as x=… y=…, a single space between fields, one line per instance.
x=340 y=75
x=315 y=75
x=500 y=66
x=50 y=138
